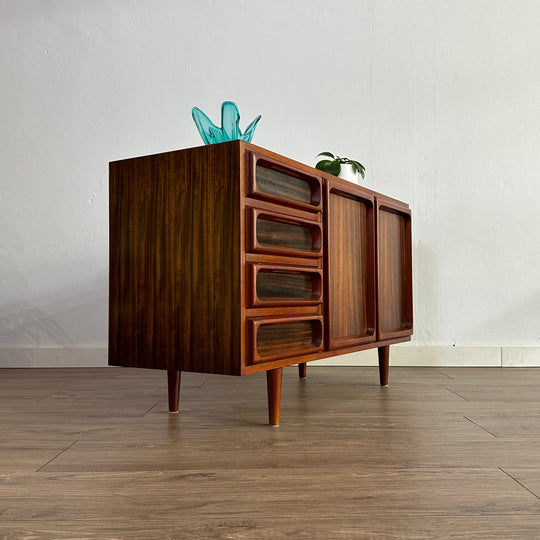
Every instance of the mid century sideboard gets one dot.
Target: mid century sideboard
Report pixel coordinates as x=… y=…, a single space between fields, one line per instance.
x=231 y=259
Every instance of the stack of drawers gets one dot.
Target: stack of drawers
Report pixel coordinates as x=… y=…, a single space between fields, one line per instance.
x=284 y=248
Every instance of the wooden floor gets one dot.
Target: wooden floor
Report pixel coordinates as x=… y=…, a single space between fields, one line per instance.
x=441 y=453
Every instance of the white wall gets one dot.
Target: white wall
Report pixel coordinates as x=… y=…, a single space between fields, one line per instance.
x=440 y=99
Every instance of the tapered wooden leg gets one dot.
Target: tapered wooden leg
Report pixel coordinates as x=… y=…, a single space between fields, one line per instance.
x=174 y=377
x=384 y=363
x=302 y=369
x=274 y=378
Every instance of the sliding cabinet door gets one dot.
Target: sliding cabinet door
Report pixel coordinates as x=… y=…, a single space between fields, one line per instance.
x=350 y=266
x=394 y=271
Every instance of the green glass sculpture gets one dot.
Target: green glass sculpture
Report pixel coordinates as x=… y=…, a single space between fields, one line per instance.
x=230 y=128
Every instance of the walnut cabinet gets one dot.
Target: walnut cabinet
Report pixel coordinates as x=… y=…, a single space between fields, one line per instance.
x=231 y=259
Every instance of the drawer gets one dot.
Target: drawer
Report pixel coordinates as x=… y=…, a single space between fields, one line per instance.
x=284 y=337
x=272 y=181
x=278 y=234
x=280 y=285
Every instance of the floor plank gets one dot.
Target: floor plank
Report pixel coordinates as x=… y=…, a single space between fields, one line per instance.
x=442 y=452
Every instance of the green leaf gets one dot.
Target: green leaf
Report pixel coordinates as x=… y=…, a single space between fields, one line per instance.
x=326 y=154
x=324 y=165
x=334 y=167
x=329 y=166
x=358 y=167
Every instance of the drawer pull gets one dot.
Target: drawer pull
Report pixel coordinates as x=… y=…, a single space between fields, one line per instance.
x=283 y=337
x=275 y=182
x=273 y=233
x=272 y=285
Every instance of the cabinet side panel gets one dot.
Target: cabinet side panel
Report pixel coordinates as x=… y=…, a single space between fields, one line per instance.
x=207 y=259
x=115 y=266
x=347 y=261
x=140 y=306
x=174 y=261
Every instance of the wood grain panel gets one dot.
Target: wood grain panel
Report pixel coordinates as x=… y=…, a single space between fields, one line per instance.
x=273 y=233
x=282 y=337
x=141 y=313
x=350 y=263
x=285 y=285
x=390 y=270
x=283 y=185
x=174 y=271
x=394 y=273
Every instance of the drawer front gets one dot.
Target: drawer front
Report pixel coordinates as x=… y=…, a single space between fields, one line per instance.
x=283 y=337
x=281 y=285
x=272 y=181
x=273 y=233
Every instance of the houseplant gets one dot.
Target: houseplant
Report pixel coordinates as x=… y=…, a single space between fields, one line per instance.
x=346 y=168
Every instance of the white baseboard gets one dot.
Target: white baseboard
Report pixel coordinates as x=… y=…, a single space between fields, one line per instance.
x=521 y=356
x=431 y=356
x=41 y=357
x=400 y=355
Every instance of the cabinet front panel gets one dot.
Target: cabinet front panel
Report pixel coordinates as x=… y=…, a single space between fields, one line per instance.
x=276 y=234
x=281 y=337
x=394 y=273
x=284 y=285
x=351 y=265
